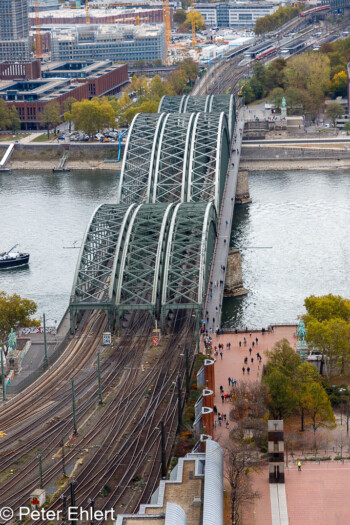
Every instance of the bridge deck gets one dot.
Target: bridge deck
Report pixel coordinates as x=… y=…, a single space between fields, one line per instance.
x=213 y=310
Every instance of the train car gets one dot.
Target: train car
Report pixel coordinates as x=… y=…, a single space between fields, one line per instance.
x=254 y=51
x=237 y=52
x=315 y=10
x=268 y=52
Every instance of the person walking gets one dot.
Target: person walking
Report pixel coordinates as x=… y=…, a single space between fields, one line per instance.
x=243 y=370
x=256 y=340
x=252 y=360
x=299 y=465
x=250 y=351
x=220 y=419
x=248 y=370
x=229 y=381
x=222 y=398
x=227 y=424
x=221 y=355
x=240 y=344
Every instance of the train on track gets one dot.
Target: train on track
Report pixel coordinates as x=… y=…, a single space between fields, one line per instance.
x=266 y=53
x=315 y=10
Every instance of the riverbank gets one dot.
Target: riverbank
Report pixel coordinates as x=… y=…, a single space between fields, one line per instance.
x=87 y=156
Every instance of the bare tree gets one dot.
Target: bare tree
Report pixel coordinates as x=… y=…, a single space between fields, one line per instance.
x=241 y=459
x=341 y=440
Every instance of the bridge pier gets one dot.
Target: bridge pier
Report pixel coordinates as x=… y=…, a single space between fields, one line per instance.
x=242 y=192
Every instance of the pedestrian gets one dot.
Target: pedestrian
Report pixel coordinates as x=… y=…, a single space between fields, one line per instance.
x=245 y=360
x=215 y=423
x=222 y=398
x=224 y=241
x=216 y=308
x=229 y=381
x=224 y=268
x=231 y=199
x=226 y=223
x=256 y=340
x=220 y=419
x=253 y=344
x=252 y=360
x=250 y=334
x=299 y=465
x=243 y=369
x=229 y=345
x=222 y=331
x=240 y=344
x=215 y=409
x=221 y=389
x=250 y=351
x=213 y=319
x=248 y=370
x=227 y=424
x=221 y=354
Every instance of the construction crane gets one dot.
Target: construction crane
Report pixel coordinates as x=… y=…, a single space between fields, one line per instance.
x=193 y=23
x=38 y=50
x=87 y=11
x=167 y=33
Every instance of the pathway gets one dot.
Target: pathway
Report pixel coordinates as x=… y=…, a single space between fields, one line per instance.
x=215 y=296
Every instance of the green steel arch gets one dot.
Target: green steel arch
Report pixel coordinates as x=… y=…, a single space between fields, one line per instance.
x=188 y=257
x=206 y=103
x=225 y=103
x=139 y=157
x=138 y=284
x=172 y=104
x=210 y=154
x=171 y=169
x=98 y=260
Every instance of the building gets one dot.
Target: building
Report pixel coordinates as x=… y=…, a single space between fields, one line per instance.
x=20 y=70
x=14 y=30
x=57 y=82
x=192 y=495
x=234 y=14
x=44 y=5
x=104 y=78
x=123 y=43
x=149 y=15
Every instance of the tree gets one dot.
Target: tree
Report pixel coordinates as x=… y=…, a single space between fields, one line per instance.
x=281 y=395
x=276 y=96
x=51 y=116
x=283 y=358
x=15 y=311
x=145 y=107
x=320 y=408
x=180 y=16
x=90 y=116
x=304 y=376
x=198 y=20
x=241 y=459
x=347 y=127
x=15 y=122
x=67 y=108
x=157 y=88
x=334 y=111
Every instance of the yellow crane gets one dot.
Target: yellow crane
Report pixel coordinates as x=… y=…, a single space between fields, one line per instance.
x=167 y=23
x=193 y=23
x=39 y=50
x=87 y=11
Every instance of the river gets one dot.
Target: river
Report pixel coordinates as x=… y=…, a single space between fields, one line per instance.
x=294 y=238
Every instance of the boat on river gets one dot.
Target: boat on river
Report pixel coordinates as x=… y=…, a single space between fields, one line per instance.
x=13 y=259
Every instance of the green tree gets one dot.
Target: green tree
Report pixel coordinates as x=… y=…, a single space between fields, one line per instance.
x=157 y=88
x=90 y=116
x=334 y=111
x=15 y=123
x=283 y=358
x=5 y=120
x=67 y=108
x=146 y=107
x=347 y=127
x=248 y=93
x=15 y=311
x=180 y=16
x=275 y=97
x=281 y=396
x=51 y=116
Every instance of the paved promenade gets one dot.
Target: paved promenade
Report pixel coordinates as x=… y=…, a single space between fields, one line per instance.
x=214 y=300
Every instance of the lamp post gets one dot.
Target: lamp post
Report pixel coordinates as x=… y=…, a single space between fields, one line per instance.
x=3 y=375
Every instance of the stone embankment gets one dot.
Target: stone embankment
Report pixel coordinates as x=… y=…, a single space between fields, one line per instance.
x=284 y=157
x=38 y=156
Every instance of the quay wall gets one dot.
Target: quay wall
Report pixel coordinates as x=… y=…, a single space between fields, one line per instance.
x=47 y=156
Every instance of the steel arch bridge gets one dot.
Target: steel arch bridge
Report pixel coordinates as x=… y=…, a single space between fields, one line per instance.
x=153 y=257
x=206 y=103
x=175 y=158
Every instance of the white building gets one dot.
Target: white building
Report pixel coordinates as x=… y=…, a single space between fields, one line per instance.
x=234 y=14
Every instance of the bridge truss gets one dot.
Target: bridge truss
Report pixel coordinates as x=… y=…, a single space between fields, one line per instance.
x=152 y=250
x=153 y=257
x=175 y=158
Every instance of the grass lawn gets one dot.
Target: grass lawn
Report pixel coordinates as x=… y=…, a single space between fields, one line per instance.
x=43 y=137
x=9 y=138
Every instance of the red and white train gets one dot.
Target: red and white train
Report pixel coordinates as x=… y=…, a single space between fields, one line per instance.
x=316 y=10
x=266 y=53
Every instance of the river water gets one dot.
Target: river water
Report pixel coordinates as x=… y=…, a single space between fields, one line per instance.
x=294 y=238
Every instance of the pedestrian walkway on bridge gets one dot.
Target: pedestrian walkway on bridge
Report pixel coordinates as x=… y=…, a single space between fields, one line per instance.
x=213 y=308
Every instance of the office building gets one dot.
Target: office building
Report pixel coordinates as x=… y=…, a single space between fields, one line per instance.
x=234 y=15
x=122 y=43
x=55 y=83
x=14 y=30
